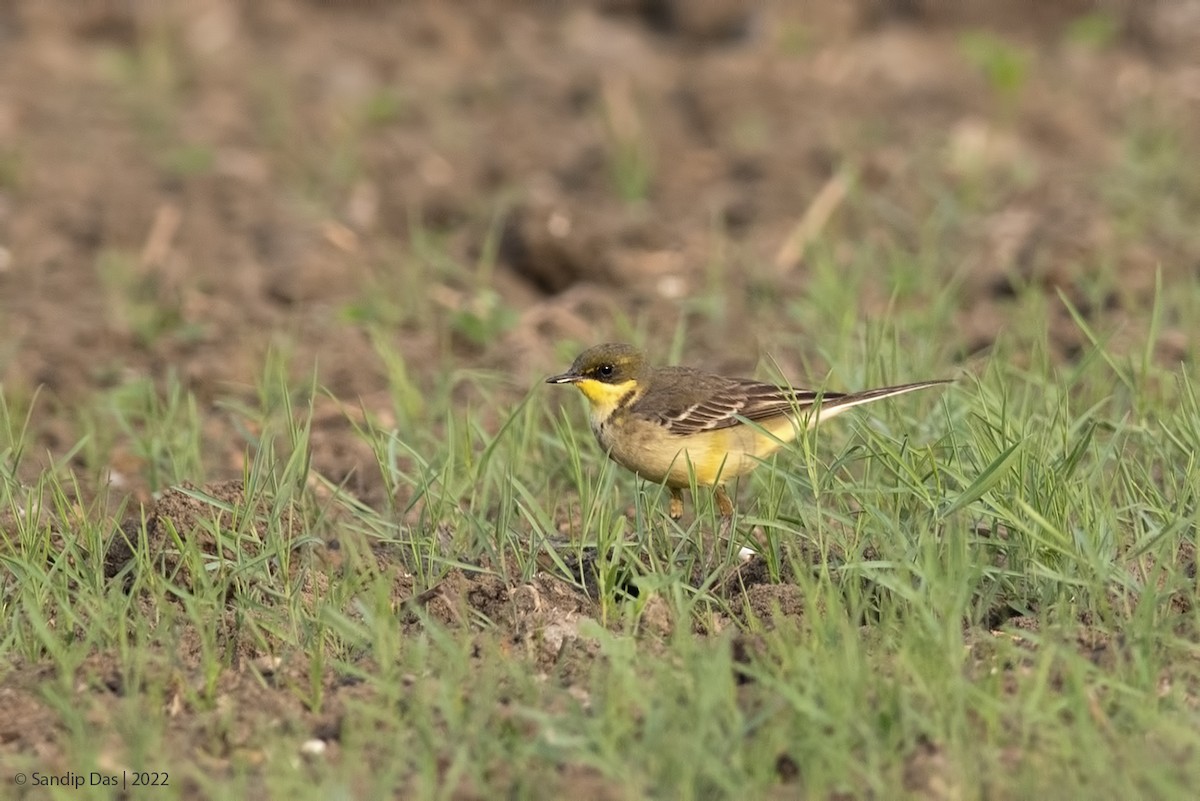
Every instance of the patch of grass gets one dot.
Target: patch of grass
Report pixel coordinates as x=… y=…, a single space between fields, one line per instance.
x=139 y=303
x=188 y=160
x=324 y=156
x=465 y=304
x=794 y=39
x=986 y=586
x=1149 y=189
x=321 y=160
x=151 y=76
x=1096 y=30
x=385 y=106
x=12 y=168
x=1004 y=65
x=630 y=153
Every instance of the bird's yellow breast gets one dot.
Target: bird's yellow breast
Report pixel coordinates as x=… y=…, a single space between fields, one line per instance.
x=713 y=457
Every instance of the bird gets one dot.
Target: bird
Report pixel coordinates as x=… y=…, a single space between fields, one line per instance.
x=671 y=425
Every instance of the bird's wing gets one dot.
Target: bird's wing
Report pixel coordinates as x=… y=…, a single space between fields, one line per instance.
x=703 y=402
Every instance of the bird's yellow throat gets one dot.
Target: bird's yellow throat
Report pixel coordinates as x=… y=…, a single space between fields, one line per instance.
x=605 y=398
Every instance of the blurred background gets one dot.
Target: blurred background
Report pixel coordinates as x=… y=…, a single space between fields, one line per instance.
x=190 y=191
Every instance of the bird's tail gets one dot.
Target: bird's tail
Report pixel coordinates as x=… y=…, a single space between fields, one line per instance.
x=834 y=404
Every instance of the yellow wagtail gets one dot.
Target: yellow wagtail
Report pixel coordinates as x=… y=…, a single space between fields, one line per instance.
x=669 y=423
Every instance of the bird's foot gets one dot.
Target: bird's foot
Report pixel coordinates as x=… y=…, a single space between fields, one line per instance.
x=675 y=508
x=724 y=505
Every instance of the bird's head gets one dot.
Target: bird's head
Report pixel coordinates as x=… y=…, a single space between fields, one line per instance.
x=605 y=373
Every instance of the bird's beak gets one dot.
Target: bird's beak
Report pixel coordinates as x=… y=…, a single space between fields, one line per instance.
x=565 y=378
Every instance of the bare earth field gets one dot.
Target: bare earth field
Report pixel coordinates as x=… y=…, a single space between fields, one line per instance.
x=240 y=235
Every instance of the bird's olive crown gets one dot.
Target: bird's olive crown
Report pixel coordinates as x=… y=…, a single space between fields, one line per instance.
x=611 y=363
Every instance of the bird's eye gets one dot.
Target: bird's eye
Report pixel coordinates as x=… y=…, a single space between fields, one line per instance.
x=605 y=371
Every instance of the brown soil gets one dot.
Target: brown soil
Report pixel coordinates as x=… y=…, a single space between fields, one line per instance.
x=186 y=186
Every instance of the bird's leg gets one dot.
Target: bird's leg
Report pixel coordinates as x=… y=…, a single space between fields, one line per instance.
x=724 y=505
x=675 y=508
